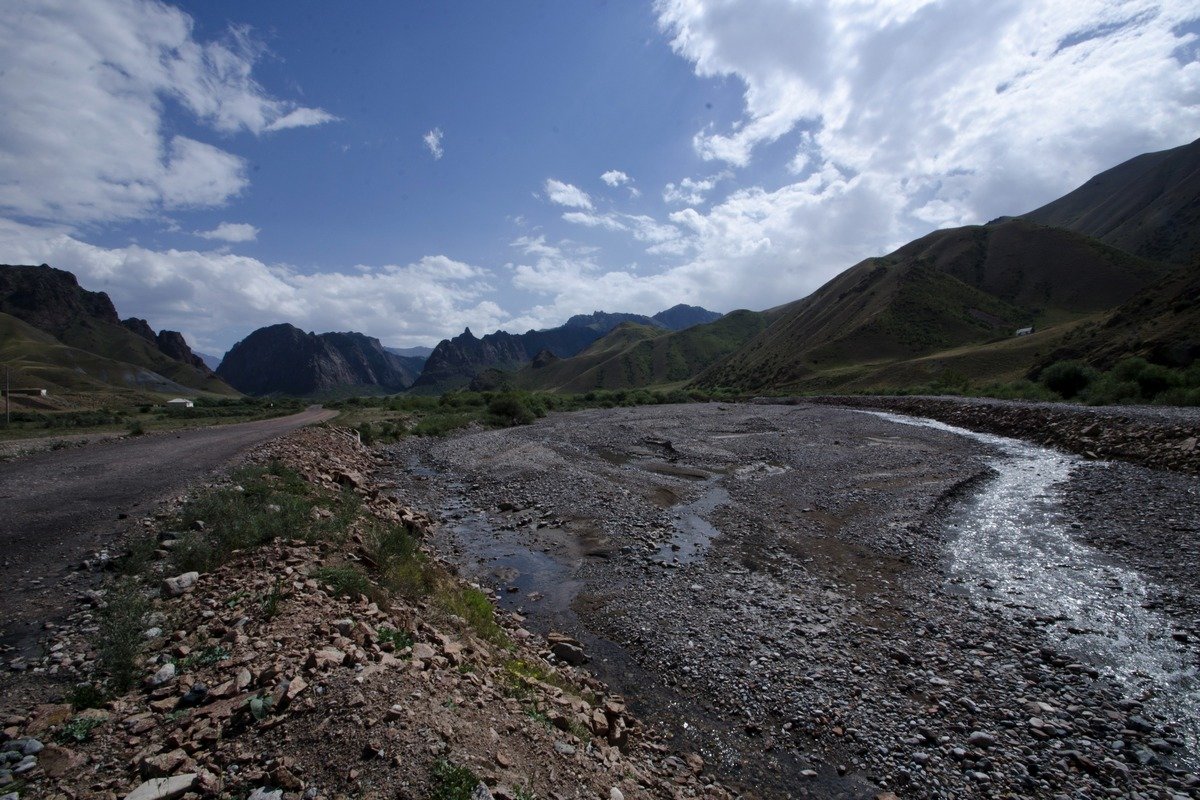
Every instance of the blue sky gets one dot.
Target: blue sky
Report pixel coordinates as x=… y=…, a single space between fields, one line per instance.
x=409 y=169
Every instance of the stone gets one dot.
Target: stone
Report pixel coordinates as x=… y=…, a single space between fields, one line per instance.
x=422 y=652
x=569 y=653
x=981 y=739
x=194 y=697
x=325 y=658
x=165 y=674
x=263 y=793
x=564 y=748
x=164 y=788
x=174 y=587
x=57 y=761
x=615 y=794
x=163 y=764
x=481 y=792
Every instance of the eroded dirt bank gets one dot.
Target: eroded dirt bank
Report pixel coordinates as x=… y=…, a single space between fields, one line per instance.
x=772 y=585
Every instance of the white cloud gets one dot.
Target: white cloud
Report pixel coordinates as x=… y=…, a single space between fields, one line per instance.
x=433 y=141
x=231 y=232
x=606 y=221
x=692 y=192
x=301 y=118
x=83 y=136
x=614 y=178
x=215 y=297
x=564 y=194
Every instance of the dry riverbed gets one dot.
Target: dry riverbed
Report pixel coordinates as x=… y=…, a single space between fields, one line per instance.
x=793 y=592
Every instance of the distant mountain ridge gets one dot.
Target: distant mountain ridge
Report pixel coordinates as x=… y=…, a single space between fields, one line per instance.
x=282 y=359
x=52 y=301
x=455 y=362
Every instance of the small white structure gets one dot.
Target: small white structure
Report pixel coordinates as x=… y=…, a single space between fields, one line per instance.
x=180 y=402
x=1024 y=331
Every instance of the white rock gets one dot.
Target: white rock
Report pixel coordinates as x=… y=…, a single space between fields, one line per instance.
x=164 y=788
x=173 y=587
x=615 y=794
x=165 y=673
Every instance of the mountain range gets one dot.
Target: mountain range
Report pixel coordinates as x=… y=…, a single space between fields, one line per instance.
x=1109 y=270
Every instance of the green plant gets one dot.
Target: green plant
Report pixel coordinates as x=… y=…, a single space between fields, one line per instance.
x=204 y=657
x=270 y=601
x=135 y=428
x=137 y=558
x=1067 y=378
x=344 y=579
x=450 y=781
x=120 y=633
x=397 y=639
x=402 y=567
x=86 y=695
x=78 y=729
x=474 y=607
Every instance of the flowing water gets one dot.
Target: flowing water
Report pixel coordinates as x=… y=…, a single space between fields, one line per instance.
x=1016 y=552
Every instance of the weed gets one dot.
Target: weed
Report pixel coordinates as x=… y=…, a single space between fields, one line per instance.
x=451 y=782
x=139 y=555
x=397 y=639
x=474 y=607
x=402 y=567
x=270 y=601
x=344 y=579
x=203 y=658
x=86 y=695
x=120 y=633
x=135 y=428
x=78 y=729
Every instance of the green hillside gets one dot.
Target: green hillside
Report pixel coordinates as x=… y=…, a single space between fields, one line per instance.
x=952 y=289
x=37 y=359
x=635 y=356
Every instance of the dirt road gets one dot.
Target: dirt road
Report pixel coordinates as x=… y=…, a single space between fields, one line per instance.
x=60 y=507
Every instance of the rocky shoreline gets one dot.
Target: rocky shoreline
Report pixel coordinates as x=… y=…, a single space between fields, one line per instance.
x=1160 y=437
x=811 y=644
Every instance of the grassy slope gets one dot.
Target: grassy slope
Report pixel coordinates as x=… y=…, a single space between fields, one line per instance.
x=952 y=289
x=39 y=360
x=637 y=356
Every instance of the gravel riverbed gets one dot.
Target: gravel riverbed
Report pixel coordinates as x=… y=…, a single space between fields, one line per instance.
x=778 y=587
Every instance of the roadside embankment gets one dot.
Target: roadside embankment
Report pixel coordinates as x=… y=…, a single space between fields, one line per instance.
x=1153 y=436
x=287 y=634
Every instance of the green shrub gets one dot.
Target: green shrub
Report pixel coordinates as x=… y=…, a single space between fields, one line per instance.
x=449 y=781
x=119 y=639
x=402 y=567
x=344 y=579
x=1067 y=378
x=474 y=607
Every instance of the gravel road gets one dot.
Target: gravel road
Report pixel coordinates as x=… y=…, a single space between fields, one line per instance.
x=61 y=507
x=778 y=586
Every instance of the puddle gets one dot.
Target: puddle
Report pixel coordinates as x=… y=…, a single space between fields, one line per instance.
x=1016 y=553
x=693 y=532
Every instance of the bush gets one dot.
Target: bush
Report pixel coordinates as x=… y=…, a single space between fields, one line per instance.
x=120 y=634
x=402 y=567
x=509 y=409
x=1067 y=378
x=451 y=782
x=345 y=579
x=474 y=607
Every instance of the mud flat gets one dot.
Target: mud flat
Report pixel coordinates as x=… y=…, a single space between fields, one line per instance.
x=827 y=602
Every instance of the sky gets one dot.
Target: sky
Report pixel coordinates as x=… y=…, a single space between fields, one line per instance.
x=411 y=169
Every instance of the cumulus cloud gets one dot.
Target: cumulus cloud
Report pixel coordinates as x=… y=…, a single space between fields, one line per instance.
x=231 y=232
x=433 y=141
x=83 y=136
x=907 y=116
x=217 y=297
x=692 y=192
x=564 y=194
x=614 y=178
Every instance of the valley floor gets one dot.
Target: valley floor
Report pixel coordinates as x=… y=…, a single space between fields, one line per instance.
x=805 y=594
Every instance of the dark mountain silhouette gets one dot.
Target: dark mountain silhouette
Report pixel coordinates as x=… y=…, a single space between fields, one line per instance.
x=282 y=359
x=455 y=362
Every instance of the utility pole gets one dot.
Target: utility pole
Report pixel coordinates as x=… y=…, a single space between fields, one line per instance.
x=7 y=396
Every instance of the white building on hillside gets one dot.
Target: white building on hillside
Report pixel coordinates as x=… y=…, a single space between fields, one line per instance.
x=180 y=402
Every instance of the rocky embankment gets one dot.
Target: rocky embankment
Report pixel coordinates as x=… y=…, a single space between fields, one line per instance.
x=1158 y=437
x=260 y=679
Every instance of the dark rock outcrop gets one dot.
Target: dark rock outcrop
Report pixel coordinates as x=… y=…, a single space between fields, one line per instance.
x=282 y=359
x=682 y=317
x=142 y=328
x=51 y=299
x=173 y=345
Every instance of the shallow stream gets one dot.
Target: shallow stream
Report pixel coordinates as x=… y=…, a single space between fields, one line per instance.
x=1016 y=552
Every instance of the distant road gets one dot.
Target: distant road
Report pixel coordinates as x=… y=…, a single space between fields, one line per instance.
x=60 y=506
